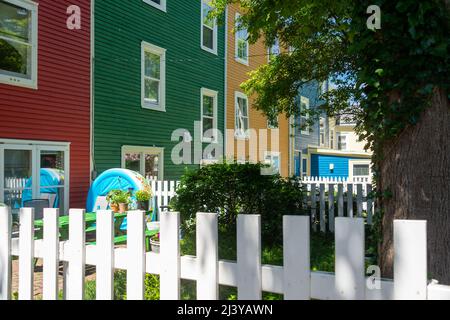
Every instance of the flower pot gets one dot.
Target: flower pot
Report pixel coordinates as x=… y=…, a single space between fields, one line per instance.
x=114 y=207
x=143 y=205
x=123 y=207
x=154 y=245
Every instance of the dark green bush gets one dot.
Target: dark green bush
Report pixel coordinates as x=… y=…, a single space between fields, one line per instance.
x=230 y=189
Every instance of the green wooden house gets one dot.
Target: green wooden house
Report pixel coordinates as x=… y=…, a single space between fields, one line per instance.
x=159 y=67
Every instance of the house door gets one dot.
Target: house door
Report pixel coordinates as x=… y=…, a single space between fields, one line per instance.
x=30 y=171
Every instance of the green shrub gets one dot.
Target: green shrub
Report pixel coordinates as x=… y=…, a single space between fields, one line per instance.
x=230 y=189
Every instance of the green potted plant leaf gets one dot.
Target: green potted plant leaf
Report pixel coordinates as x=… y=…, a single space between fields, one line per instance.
x=123 y=198
x=111 y=198
x=143 y=198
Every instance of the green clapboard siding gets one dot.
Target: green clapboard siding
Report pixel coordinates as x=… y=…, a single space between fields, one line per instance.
x=120 y=27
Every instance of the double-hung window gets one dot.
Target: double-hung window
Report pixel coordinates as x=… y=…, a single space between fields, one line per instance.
x=241 y=116
x=209 y=29
x=322 y=131
x=153 y=77
x=242 y=46
x=304 y=107
x=342 y=142
x=209 y=115
x=18 y=43
x=159 y=4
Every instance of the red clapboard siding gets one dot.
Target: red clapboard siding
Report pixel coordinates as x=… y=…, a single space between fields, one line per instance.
x=59 y=110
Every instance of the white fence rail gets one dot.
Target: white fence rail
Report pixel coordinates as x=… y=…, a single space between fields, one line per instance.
x=294 y=280
x=326 y=199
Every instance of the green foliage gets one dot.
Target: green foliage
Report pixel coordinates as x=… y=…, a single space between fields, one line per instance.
x=230 y=189
x=143 y=195
x=383 y=78
x=118 y=196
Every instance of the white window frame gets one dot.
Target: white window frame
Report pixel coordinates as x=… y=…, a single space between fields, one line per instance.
x=304 y=101
x=143 y=151
x=215 y=30
x=213 y=94
x=272 y=155
x=351 y=163
x=36 y=147
x=236 y=46
x=162 y=6
x=322 y=131
x=161 y=106
x=238 y=134
x=339 y=144
x=18 y=80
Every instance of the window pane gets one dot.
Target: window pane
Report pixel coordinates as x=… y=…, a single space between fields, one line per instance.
x=208 y=37
x=243 y=110
x=152 y=65
x=208 y=124
x=361 y=170
x=52 y=178
x=17 y=181
x=14 y=21
x=15 y=58
x=156 y=1
x=206 y=20
x=242 y=49
x=152 y=91
x=133 y=161
x=208 y=106
x=151 y=166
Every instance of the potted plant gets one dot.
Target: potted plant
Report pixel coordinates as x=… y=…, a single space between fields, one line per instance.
x=111 y=198
x=154 y=243
x=119 y=200
x=143 y=198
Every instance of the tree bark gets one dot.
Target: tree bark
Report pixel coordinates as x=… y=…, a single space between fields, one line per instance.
x=416 y=170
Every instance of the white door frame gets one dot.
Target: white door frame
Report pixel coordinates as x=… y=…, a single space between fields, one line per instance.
x=36 y=147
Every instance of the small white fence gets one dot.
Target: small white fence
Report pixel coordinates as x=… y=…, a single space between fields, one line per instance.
x=326 y=199
x=294 y=280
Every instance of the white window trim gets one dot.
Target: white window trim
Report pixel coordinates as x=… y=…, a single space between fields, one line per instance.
x=236 y=47
x=215 y=30
x=324 y=131
x=339 y=138
x=161 y=6
x=213 y=94
x=305 y=101
x=17 y=80
x=148 y=47
x=143 y=151
x=351 y=163
x=237 y=134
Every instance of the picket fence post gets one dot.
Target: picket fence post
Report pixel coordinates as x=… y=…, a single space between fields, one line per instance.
x=75 y=272
x=296 y=257
x=51 y=255
x=410 y=260
x=105 y=255
x=249 y=257
x=349 y=260
x=136 y=255
x=170 y=256
x=26 y=254
x=5 y=253
x=207 y=243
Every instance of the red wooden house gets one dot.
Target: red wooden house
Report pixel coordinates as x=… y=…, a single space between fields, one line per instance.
x=45 y=104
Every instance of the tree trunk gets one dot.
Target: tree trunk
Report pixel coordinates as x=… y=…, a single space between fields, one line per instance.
x=416 y=170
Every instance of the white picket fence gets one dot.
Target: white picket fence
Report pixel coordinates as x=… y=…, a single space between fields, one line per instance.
x=326 y=198
x=294 y=279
